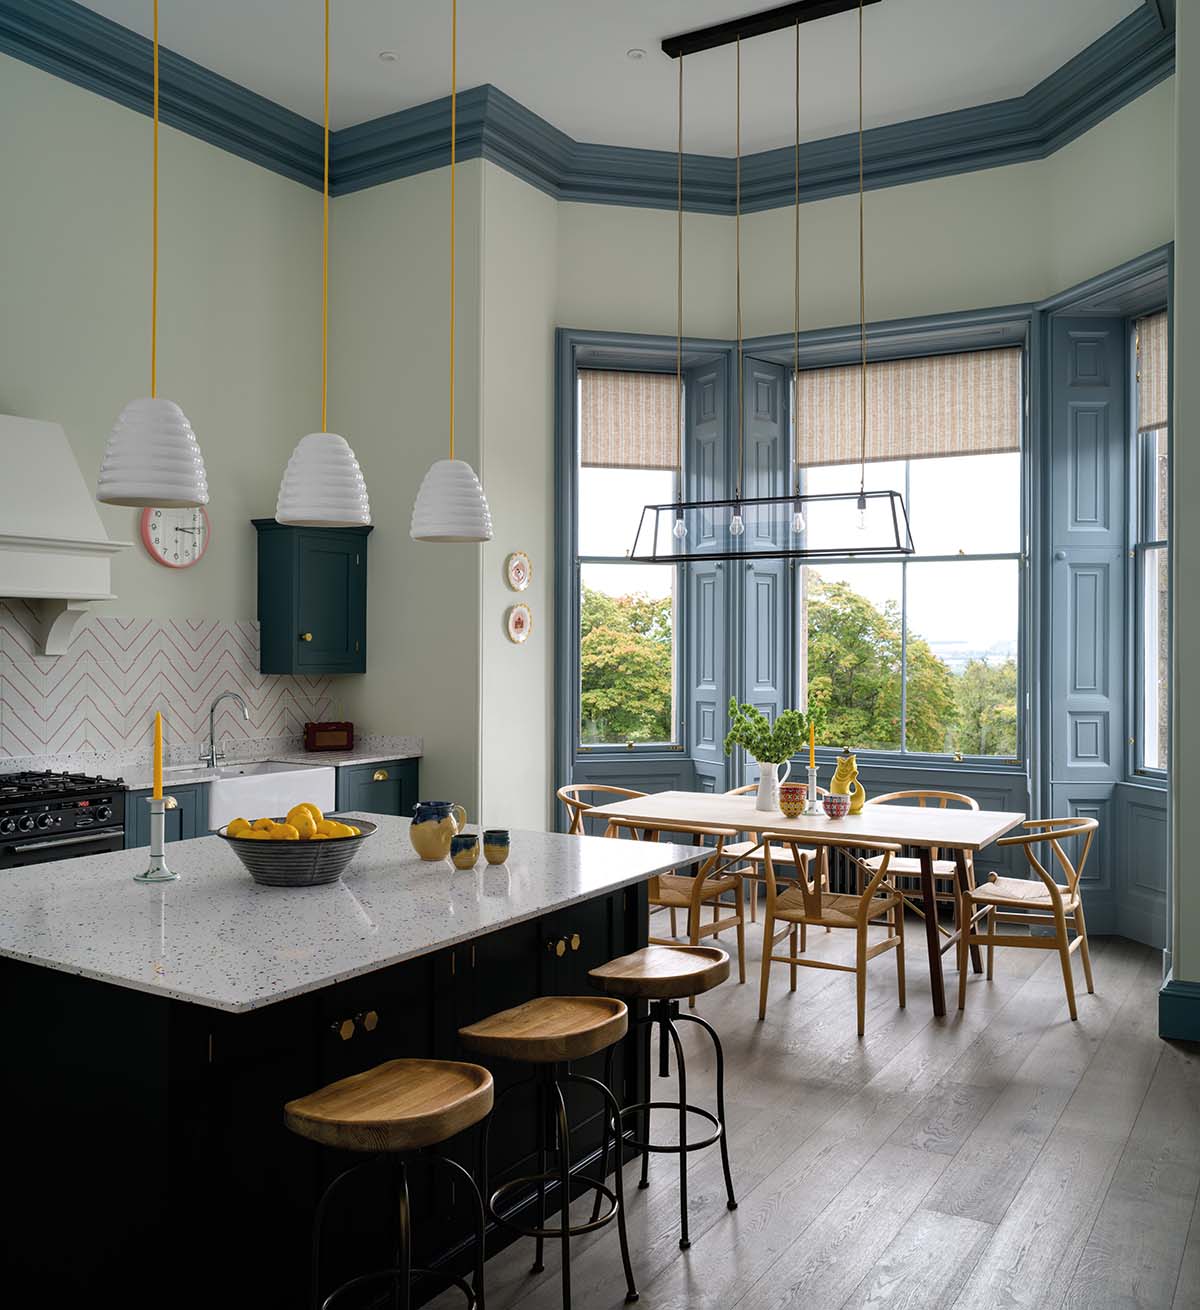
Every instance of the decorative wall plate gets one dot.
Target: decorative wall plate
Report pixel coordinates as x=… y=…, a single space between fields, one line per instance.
x=518 y=622
x=176 y=538
x=518 y=570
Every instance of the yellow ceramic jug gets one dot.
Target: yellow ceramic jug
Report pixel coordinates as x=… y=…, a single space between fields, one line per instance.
x=845 y=781
x=433 y=824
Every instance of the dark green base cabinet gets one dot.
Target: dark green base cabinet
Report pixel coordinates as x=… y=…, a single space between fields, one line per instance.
x=147 y=1162
x=189 y=818
x=387 y=787
x=312 y=599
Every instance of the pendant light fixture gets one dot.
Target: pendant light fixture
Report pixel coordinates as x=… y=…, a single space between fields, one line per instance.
x=323 y=486
x=799 y=525
x=152 y=456
x=450 y=504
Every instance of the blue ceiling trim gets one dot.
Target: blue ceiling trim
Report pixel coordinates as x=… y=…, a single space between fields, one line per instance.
x=73 y=42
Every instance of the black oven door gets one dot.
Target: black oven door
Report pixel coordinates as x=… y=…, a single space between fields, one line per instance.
x=40 y=850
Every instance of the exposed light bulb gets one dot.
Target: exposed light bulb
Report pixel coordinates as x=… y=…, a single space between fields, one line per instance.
x=797 y=519
x=736 y=526
x=862 y=512
x=679 y=531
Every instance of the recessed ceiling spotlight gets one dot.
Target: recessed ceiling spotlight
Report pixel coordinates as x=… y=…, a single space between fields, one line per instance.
x=388 y=56
x=637 y=54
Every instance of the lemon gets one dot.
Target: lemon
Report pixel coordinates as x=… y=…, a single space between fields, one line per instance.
x=283 y=832
x=319 y=836
x=236 y=827
x=300 y=817
x=328 y=827
x=263 y=825
x=314 y=810
x=335 y=829
x=256 y=834
x=354 y=832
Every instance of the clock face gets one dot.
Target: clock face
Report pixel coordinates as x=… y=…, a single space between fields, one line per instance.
x=177 y=538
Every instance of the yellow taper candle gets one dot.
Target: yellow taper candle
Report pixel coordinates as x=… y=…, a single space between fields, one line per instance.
x=158 y=755
x=812 y=745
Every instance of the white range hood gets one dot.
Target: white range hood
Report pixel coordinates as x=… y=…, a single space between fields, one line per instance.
x=54 y=551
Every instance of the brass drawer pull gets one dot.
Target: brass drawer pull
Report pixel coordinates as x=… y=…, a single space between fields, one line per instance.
x=558 y=948
x=306 y=636
x=170 y=803
x=380 y=775
x=575 y=941
x=369 y=1021
x=344 y=1029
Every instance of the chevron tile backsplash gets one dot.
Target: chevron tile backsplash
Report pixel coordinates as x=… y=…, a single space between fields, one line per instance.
x=100 y=696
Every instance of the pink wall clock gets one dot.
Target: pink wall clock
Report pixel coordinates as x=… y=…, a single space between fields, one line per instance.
x=176 y=538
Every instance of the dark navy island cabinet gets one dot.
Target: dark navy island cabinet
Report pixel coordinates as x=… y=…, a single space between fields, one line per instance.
x=187 y=818
x=312 y=599
x=387 y=787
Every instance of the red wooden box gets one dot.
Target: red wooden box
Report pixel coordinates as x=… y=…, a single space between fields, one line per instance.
x=329 y=736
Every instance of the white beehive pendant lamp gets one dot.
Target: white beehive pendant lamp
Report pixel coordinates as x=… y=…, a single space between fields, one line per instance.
x=450 y=503
x=323 y=486
x=152 y=456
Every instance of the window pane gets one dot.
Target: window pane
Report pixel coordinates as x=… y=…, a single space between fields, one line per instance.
x=1154 y=659
x=1154 y=494
x=627 y=653
x=962 y=657
x=967 y=503
x=834 y=524
x=851 y=615
x=611 y=503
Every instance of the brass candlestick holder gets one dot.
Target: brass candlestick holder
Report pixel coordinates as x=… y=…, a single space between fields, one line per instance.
x=157 y=870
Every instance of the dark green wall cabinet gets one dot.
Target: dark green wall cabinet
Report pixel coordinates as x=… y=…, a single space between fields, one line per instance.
x=386 y=787
x=188 y=818
x=312 y=599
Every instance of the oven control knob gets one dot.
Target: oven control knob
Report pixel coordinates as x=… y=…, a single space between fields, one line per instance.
x=25 y=823
x=8 y=826
x=45 y=821
x=104 y=813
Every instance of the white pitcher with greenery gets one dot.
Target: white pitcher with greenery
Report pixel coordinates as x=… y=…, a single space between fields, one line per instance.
x=770 y=745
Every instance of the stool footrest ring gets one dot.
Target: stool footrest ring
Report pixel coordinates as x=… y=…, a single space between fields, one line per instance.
x=451 y=1280
x=643 y=1106
x=551 y=1176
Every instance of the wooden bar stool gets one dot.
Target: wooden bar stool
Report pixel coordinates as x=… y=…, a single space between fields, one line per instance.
x=391 y=1112
x=549 y=1033
x=662 y=975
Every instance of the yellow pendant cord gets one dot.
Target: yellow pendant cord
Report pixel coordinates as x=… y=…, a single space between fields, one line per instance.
x=796 y=269
x=737 y=230
x=862 y=278
x=453 y=144
x=154 y=230
x=325 y=243
x=679 y=288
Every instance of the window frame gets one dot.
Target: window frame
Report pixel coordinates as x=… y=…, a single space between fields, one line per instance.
x=1140 y=541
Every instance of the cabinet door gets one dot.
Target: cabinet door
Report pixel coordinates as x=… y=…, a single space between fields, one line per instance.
x=387 y=787
x=189 y=818
x=330 y=628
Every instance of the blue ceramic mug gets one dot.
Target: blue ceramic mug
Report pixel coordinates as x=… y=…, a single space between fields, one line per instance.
x=464 y=850
x=495 y=845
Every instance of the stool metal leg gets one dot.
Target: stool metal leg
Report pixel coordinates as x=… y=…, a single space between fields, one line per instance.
x=319 y=1224
x=668 y=1027
x=564 y=1182
x=402 y=1283
x=480 y=1221
x=608 y=1082
x=731 y=1201
x=644 y=1182
x=543 y=1110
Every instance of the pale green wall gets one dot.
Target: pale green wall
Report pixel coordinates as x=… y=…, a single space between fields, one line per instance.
x=239 y=313
x=520 y=230
x=1185 y=559
x=389 y=388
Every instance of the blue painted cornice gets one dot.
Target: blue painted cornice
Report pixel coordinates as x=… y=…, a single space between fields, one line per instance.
x=73 y=42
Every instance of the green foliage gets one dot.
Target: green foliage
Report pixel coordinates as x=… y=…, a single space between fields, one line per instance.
x=762 y=740
x=625 y=668
x=985 y=698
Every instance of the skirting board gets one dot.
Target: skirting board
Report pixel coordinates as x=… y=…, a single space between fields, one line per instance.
x=1179 y=1010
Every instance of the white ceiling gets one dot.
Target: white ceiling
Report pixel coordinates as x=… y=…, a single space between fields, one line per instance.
x=566 y=59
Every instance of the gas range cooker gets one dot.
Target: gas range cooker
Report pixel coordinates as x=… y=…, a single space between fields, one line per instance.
x=53 y=816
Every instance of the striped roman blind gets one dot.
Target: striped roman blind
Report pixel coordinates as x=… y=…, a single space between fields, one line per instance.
x=1154 y=355
x=627 y=420
x=936 y=405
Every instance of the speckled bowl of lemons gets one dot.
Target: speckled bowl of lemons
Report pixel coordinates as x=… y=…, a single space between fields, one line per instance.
x=305 y=849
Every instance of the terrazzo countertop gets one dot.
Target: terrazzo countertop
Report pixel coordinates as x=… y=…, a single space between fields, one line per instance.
x=139 y=777
x=216 y=938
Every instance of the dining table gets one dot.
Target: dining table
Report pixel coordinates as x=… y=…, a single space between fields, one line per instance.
x=932 y=832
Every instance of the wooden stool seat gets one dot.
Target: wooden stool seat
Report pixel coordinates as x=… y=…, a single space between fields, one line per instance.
x=658 y=973
x=401 y=1105
x=550 y=1029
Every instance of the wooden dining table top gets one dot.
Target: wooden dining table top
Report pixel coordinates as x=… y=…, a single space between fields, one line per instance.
x=907 y=825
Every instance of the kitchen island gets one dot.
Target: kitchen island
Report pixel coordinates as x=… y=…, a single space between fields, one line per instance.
x=155 y=1032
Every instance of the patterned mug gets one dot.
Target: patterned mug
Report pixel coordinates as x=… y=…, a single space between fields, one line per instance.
x=836 y=804
x=792 y=798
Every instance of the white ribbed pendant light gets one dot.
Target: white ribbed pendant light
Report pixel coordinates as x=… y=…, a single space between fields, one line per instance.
x=152 y=456
x=450 y=504
x=323 y=486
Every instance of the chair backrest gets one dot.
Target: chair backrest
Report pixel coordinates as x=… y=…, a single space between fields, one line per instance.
x=571 y=796
x=812 y=885
x=1055 y=831
x=923 y=796
x=753 y=786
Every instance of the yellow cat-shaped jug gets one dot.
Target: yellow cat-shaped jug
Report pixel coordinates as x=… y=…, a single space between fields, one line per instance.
x=845 y=781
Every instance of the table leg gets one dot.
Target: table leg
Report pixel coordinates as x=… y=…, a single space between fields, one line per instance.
x=960 y=864
x=932 y=938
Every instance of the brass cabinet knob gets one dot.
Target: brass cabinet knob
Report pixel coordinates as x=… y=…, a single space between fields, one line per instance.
x=170 y=803
x=574 y=941
x=370 y=1020
x=380 y=775
x=344 y=1029
x=306 y=636
x=558 y=948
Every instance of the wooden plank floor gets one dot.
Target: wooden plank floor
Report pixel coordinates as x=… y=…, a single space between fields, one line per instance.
x=1003 y=1157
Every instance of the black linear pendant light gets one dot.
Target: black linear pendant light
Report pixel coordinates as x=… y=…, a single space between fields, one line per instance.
x=801 y=525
